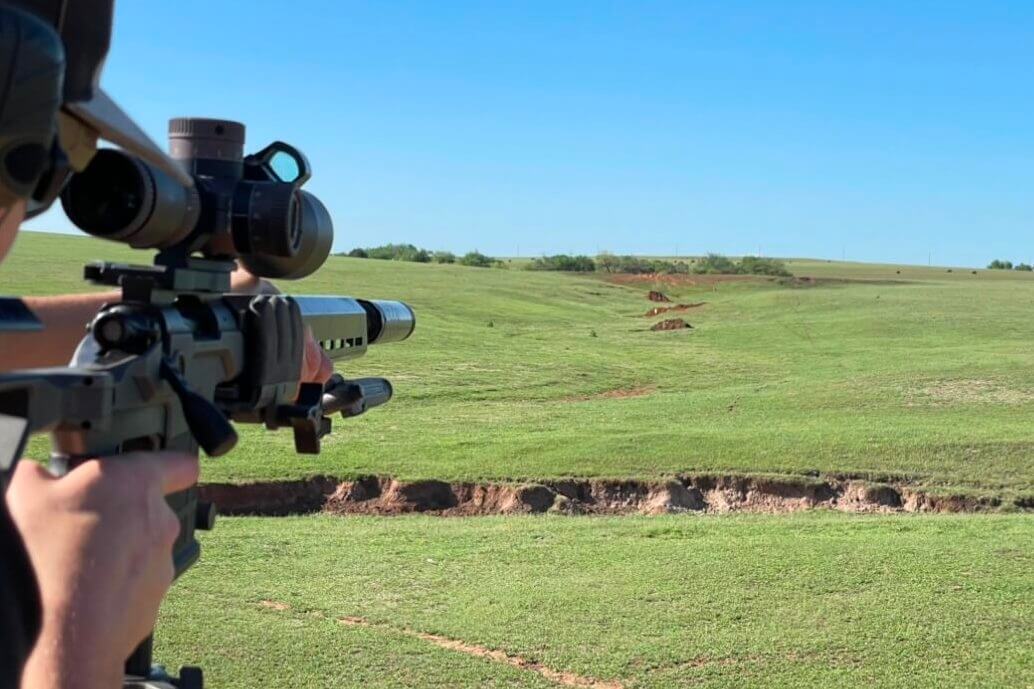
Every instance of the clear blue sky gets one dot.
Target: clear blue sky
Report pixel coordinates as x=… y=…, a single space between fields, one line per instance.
x=879 y=130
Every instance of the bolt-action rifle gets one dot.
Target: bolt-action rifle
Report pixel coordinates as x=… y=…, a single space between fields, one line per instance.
x=178 y=358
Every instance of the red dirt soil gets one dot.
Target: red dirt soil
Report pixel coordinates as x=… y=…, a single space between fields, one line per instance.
x=671 y=324
x=697 y=493
x=657 y=296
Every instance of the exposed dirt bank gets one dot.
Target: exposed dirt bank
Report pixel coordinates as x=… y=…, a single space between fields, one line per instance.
x=671 y=324
x=704 y=494
x=657 y=296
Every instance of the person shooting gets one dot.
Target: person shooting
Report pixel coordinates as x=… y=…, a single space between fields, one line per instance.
x=173 y=352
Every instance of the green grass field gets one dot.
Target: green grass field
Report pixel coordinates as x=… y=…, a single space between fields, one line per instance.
x=919 y=374
x=790 y=601
x=925 y=374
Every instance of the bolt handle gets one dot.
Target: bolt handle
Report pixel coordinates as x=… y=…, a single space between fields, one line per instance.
x=207 y=424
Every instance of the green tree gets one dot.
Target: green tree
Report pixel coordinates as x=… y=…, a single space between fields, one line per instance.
x=476 y=260
x=755 y=265
x=608 y=262
x=398 y=252
x=563 y=262
x=716 y=264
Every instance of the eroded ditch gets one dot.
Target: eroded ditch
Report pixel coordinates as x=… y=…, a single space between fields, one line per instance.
x=690 y=494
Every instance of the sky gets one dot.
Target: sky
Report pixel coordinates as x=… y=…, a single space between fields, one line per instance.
x=877 y=131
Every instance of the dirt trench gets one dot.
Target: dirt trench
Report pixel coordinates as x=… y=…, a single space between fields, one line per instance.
x=703 y=494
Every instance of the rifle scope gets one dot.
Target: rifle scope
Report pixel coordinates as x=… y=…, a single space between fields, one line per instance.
x=247 y=207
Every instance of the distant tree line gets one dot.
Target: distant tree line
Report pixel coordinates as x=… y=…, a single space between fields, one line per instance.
x=604 y=263
x=748 y=265
x=637 y=265
x=408 y=252
x=607 y=263
x=572 y=264
x=1007 y=265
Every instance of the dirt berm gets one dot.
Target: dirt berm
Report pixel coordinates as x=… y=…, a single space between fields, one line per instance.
x=701 y=493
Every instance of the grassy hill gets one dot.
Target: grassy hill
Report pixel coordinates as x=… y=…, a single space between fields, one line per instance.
x=866 y=370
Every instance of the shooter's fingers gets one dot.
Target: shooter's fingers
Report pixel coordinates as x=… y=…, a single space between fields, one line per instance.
x=316 y=366
x=29 y=473
x=95 y=479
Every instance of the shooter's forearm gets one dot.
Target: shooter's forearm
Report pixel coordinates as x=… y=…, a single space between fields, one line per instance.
x=64 y=319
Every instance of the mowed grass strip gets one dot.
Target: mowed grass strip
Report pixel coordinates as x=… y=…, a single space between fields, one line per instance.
x=922 y=375
x=807 y=600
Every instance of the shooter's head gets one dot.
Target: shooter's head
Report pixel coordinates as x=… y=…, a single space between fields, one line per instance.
x=206 y=197
x=53 y=111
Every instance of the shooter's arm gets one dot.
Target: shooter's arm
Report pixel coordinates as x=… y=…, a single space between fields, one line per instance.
x=64 y=320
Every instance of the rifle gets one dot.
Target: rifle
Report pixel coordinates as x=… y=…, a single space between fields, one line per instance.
x=178 y=357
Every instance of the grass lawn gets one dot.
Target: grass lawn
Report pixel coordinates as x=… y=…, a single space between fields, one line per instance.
x=811 y=599
x=923 y=374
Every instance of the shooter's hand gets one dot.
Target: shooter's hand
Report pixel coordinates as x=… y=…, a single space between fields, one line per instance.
x=316 y=366
x=100 y=540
